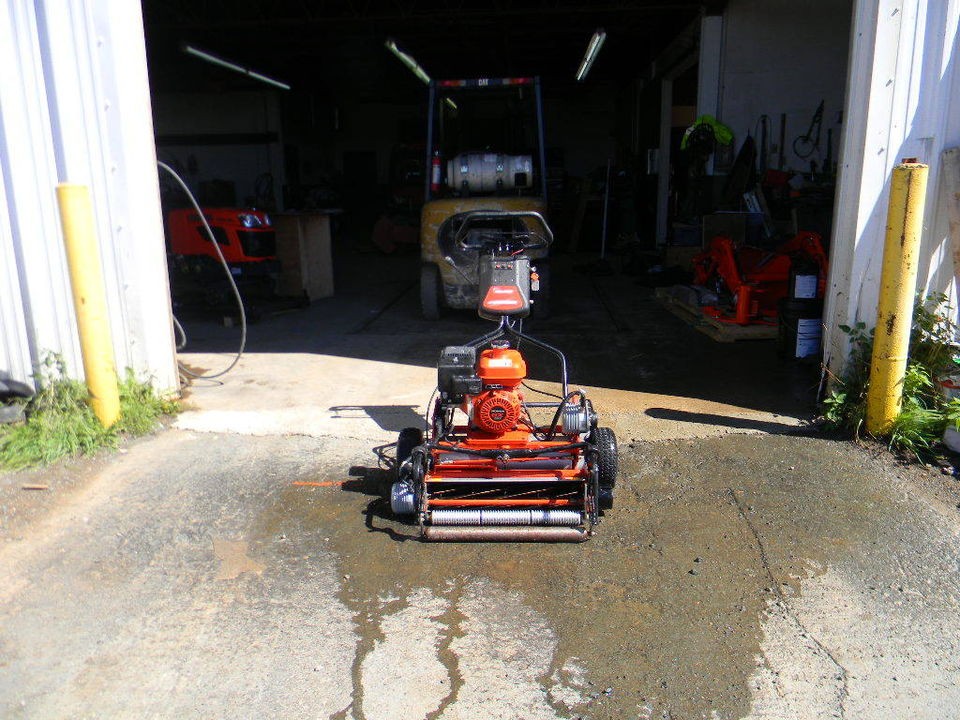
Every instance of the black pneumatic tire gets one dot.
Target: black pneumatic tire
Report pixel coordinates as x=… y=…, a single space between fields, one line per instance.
x=430 y=291
x=605 y=442
x=408 y=439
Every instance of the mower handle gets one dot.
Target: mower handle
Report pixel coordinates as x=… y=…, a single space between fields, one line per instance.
x=474 y=216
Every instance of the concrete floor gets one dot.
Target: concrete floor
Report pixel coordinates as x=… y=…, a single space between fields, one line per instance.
x=749 y=568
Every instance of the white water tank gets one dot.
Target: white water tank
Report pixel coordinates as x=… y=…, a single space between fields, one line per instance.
x=488 y=172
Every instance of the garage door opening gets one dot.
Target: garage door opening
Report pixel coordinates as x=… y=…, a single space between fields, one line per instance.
x=341 y=157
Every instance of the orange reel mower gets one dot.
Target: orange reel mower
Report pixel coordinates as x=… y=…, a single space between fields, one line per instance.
x=484 y=469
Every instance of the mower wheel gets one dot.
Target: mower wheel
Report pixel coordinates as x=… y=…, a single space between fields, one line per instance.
x=605 y=442
x=408 y=439
x=541 y=298
x=430 y=291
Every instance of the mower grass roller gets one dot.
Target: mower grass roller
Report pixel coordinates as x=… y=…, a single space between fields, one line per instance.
x=499 y=475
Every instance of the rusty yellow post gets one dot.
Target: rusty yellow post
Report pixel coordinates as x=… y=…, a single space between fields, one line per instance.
x=90 y=300
x=898 y=281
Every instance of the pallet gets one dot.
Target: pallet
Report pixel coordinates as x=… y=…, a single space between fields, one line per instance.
x=673 y=299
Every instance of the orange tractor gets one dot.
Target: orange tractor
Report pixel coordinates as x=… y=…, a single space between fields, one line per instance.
x=246 y=238
x=486 y=469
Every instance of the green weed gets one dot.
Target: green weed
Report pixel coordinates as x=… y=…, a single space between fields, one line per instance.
x=59 y=422
x=932 y=356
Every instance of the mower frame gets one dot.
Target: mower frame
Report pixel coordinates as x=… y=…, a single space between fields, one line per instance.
x=503 y=477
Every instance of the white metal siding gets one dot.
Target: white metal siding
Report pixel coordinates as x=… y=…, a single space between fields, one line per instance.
x=902 y=102
x=15 y=352
x=75 y=107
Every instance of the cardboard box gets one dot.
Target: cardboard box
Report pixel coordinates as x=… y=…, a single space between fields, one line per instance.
x=303 y=249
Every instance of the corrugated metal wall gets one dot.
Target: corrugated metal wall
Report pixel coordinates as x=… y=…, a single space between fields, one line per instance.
x=903 y=101
x=75 y=107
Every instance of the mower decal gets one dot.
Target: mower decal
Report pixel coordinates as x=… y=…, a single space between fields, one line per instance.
x=503 y=297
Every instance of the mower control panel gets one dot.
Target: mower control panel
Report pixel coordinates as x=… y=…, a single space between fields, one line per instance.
x=504 y=286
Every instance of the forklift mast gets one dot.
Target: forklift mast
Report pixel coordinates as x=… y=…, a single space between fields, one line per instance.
x=479 y=84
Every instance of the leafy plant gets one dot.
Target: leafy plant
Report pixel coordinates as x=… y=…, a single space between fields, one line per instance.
x=59 y=421
x=932 y=357
x=846 y=407
x=933 y=336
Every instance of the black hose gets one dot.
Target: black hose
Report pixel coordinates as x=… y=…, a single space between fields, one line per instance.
x=233 y=286
x=538 y=390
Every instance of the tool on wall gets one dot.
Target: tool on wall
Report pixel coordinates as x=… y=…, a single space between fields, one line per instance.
x=805 y=145
x=828 y=157
x=781 y=147
x=606 y=212
x=764 y=124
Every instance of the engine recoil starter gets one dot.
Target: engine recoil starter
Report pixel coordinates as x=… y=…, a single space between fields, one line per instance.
x=497 y=411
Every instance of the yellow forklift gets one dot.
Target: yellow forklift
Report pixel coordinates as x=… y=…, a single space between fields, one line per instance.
x=485 y=152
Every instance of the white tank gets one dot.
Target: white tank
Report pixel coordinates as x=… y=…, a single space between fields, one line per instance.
x=487 y=172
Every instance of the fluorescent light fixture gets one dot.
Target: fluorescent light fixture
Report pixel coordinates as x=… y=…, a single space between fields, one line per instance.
x=593 y=49
x=220 y=62
x=408 y=61
x=414 y=67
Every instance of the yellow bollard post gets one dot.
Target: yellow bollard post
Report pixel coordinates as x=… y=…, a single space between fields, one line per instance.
x=90 y=300
x=898 y=281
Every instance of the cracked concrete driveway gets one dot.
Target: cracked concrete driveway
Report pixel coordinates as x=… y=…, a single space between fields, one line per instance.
x=748 y=569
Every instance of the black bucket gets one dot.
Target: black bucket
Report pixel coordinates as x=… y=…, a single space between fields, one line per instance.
x=800 y=328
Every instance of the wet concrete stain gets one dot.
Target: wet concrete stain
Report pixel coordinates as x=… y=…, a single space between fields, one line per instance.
x=664 y=605
x=687 y=603
x=234 y=560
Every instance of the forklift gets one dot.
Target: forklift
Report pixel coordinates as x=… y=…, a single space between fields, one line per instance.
x=484 y=153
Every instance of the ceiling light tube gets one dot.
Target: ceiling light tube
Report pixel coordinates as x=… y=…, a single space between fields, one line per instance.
x=220 y=62
x=408 y=61
x=593 y=49
x=414 y=67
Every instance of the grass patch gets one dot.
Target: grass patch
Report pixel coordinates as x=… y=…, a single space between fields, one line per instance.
x=59 y=422
x=932 y=357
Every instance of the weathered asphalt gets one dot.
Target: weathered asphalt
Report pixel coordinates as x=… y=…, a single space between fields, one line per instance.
x=749 y=569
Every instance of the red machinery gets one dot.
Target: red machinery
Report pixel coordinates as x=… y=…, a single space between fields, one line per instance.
x=246 y=238
x=486 y=469
x=755 y=279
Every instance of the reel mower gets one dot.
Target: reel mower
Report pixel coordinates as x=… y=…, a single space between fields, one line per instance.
x=498 y=474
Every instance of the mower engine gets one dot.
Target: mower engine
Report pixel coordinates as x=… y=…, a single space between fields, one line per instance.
x=496 y=410
x=487 y=470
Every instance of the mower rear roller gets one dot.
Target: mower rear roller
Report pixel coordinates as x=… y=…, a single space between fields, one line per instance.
x=495 y=533
x=534 y=517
